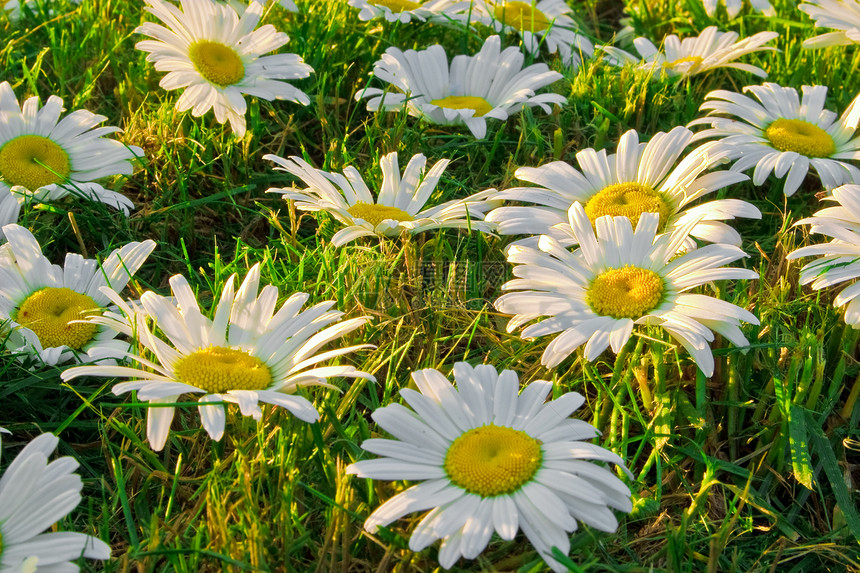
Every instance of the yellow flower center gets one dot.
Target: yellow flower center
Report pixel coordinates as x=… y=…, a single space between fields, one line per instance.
x=801 y=136
x=493 y=460
x=217 y=63
x=627 y=200
x=479 y=104
x=522 y=16
x=375 y=214
x=688 y=64
x=47 y=313
x=217 y=369
x=397 y=6
x=628 y=292
x=33 y=161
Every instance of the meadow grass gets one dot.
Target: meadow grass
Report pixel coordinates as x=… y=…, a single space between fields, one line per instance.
x=752 y=470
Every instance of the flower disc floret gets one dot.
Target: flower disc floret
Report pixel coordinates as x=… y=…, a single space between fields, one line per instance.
x=375 y=214
x=627 y=200
x=521 y=16
x=493 y=460
x=217 y=63
x=628 y=292
x=218 y=369
x=481 y=106
x=33 y=161
x=47 y=313
x=800 y=136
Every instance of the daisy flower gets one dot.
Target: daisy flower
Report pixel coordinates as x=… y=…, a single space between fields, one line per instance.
x=216 y=56
x=245 y=354
x=840 y=260
x=638 y=178
x=35 y=494
x=405 y=11
x=47 y=158
x=783 y=134
x=41 y=300
x=707 y=51
x=620 y=278
x=492 y=84
x=399 y=205
x=842 y=15
x=491 y=460
x=538 y=22
x=733 y=7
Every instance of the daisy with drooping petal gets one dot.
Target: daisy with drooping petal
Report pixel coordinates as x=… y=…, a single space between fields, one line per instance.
x=733 y=7
x=840 y=260
x=709 y=50
x=538 y=22
x=491 y=84
x=783 y=134
x=491 y=460
x=398 y=206
x=216 y=57
x=639 y=178
x=841 y=15
x=619 y=278
x=245 y=354
x=40 y=300
x=35 y=494
x=45 y=158
x=404 y=11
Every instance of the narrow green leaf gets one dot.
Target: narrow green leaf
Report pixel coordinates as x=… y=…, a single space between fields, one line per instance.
x=798 y=440
x=824 y=450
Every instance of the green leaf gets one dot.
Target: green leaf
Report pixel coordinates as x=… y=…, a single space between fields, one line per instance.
x=824 y=450
x=798 y=440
